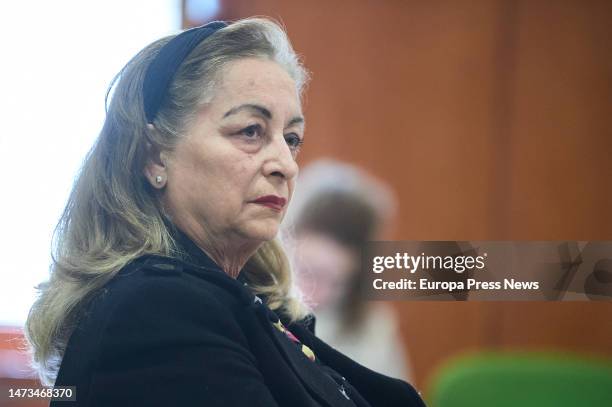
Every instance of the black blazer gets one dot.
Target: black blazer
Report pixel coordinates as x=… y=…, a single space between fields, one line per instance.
x=169 y=332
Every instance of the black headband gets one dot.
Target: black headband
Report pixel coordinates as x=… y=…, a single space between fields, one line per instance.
x=166 y=63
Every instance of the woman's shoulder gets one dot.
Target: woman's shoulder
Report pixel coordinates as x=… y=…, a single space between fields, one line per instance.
x=152 y=295
x=159 y=278
x=155 y=314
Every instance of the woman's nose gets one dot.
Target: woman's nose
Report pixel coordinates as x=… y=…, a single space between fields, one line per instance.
x=281 y=159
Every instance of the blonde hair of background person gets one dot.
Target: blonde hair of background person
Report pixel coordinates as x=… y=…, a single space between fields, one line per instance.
x=113 y=216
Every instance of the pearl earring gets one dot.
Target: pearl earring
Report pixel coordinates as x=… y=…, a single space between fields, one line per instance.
x=158 y=179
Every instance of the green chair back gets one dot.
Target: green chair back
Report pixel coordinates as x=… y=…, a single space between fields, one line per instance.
x=523 y=380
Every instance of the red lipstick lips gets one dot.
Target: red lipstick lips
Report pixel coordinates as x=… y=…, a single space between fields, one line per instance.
x=271 y=201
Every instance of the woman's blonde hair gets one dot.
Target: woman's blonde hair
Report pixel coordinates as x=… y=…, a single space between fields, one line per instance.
x=113 y=215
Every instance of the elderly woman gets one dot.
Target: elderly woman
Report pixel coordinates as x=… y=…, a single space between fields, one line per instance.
x=168 y=286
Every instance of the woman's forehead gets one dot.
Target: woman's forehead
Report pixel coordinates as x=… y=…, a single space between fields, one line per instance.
x=257 y=81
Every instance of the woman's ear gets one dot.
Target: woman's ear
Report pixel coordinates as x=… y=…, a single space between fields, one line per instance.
x=155 y=169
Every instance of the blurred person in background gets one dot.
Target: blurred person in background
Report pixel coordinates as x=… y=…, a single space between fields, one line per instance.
x=168 y=285
x=336 y=210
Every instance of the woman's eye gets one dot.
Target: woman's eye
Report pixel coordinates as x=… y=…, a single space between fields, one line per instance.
x=294 y=141
x=252 y=131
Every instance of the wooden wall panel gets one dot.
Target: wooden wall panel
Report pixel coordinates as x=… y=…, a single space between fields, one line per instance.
x=562 y=136
x=584 y=327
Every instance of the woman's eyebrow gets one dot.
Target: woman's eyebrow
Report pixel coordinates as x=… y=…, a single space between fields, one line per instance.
x=296 y=120
x=258 y=109
x=249 y=106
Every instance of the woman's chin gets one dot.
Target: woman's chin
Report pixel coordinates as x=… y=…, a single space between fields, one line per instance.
x=262 y=231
